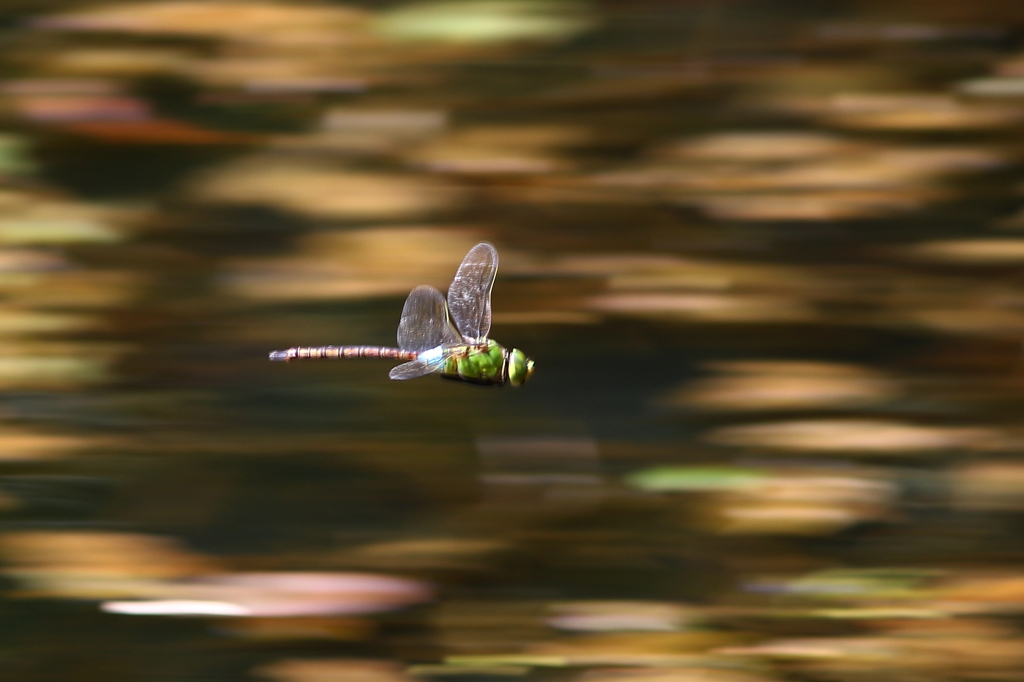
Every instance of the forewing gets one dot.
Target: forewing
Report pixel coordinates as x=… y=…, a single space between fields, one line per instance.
x=425 y=323
x=411 y=370
x=469 y=297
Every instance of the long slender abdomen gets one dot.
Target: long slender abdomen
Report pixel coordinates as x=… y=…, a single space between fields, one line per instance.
x=342 y=353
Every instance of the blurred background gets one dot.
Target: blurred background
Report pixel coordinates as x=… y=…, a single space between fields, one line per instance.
x=767 y=256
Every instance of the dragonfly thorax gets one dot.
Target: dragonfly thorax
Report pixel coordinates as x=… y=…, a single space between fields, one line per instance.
x=489 y=364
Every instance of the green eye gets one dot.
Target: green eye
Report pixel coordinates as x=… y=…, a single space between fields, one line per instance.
x=520 y=367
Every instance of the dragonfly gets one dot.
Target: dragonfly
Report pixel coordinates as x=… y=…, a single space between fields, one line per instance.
x=445 y=336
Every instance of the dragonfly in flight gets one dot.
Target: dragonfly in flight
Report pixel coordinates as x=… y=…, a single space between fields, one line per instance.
x=446 y=336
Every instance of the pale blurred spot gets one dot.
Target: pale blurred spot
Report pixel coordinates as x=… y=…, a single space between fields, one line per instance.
x=618 y=616
x=15 y=322
x=25 y=370
x=67 y=108
x=267 y=49
x=355 y=131
x=500 y=150
x=534 y=136
x=506 y=660
x=93 y=564
x=970 y=251
x=886 y=167
x=123 y=62
x=785 y=385
x=811 y=206
x=646 y=271
x=256 y=22
x=696 y=478
x=851 y=435
x=486 y=21
x=20 y=268
x=396 y=121
x=988 y=486
x=710 y=163
x=818 y=178
x=758 y=146
x=783 y=519
x=76 y=288
x=42 y=231
x=280 y=595
x=997 y=592
x=146 y=575
x=318 y=85
x=321 y=190
x=385 y=261
x=28 y=217
x=60 y=86
x=472 y=671
x=1011 y=66
x=28 y=261
x=634 y=648
x=705 y=307
x=866 y=650
x=913 y=649
x=1009 y=86
x=855 y=583
x=489 y=162
x=18 y=444
x=422 y=554
x=174 y=607
x=722 y=288
x=874 y=613
x=801 y=504
x=269 y=75
x=15 y=156
x=331 y=670
x=688 y=673
x=911 y=111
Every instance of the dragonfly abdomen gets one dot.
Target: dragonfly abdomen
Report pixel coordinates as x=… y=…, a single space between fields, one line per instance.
x=342 y=353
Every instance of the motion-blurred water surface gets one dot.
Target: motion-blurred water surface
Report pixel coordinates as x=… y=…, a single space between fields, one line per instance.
x=767 y=257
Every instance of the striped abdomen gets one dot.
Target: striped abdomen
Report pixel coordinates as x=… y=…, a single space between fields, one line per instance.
x=342 y=352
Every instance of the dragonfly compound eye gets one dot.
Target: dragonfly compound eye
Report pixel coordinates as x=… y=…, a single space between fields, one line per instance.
x=520 y=367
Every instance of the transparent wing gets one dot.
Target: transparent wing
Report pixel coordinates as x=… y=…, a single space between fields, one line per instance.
x=425 y=323
x=469 y=297
x=413 y=369
x=428 y=363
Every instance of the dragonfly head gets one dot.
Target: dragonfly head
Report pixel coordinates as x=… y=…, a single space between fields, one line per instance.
x=520 y=367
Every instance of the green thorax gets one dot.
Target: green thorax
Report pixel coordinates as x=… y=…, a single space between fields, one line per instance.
x=479 y=365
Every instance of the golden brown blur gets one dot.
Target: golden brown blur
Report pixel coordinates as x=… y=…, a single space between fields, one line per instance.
x=768 y=256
